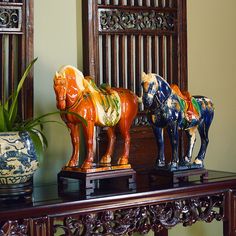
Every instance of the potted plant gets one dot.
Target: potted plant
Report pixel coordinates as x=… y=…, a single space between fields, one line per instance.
x=21 y=141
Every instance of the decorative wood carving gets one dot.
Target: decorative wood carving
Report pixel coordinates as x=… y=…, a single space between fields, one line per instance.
x=10 y=18
x=15 y=228
x=116 y=20
x=144 y=218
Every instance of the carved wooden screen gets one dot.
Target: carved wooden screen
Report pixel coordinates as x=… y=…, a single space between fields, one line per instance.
x=16 y=50
x=122 y=38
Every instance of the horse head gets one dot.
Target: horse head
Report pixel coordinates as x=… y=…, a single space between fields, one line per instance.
x=155 y=90
x=68 y=84
x=150 y=87
x=60 y=88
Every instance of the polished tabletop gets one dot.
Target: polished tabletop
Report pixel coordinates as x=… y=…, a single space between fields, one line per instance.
x=48 y=194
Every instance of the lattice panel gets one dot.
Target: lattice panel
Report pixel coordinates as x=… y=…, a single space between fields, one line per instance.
x=136 y=36
x=16 y=42
x=9 y=69
x=11 y=17
x=123 y=38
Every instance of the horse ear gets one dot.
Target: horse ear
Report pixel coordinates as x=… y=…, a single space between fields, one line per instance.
x=57 y=74
x=143 y=75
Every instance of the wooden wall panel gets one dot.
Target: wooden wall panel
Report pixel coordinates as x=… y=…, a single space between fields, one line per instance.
x=16 y=40
x=145 y=36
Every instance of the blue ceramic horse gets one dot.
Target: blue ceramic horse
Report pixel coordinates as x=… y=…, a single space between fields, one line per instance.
x=167 y=107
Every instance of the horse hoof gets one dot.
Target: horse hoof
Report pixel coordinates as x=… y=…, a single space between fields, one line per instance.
x=106 y=159
x=123 y=161
x=86 y=165
x=198 y=163
x=71 y=164
x=160 y=163
x=173 y=166
x=186 y=162
x=187 y=159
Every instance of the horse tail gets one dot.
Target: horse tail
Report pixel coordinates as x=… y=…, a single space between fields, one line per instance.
x=205 y=103
x=206 y=109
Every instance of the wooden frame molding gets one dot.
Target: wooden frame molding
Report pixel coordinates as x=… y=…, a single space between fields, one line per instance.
x=16 y=49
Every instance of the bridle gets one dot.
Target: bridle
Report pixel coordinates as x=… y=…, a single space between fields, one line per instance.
x=58 y=83
x=62 y=84
x=157 y=103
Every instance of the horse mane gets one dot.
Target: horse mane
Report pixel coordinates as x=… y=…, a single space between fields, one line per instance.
x=84 y=83
x=79 y=77
x=162 y=79
x=90 y=85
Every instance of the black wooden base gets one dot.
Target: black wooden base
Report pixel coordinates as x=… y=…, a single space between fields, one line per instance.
x=180 y=175
x=89 y=181
x=22 y=191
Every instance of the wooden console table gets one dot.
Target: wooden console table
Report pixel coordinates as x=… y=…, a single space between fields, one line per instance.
x=153 y=206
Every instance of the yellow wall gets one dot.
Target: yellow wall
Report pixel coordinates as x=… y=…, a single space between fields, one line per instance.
x=211 y=66
x=55 y=40
x=212 y=72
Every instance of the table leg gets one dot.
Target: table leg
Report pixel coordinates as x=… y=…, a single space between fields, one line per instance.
x=163 y=232
x=229 y=225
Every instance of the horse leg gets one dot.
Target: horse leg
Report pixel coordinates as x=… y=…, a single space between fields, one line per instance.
x=203 y=131
x=207 y=114
x=88 y=133
x=106 y=159
x=174 y=140
x=158 y=132
x=124 y=130
x=191 y=136
x=124 y=157
x=74 y=133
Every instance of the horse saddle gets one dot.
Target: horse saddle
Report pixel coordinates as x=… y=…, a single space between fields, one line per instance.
x=189 y=103
x=106 y=101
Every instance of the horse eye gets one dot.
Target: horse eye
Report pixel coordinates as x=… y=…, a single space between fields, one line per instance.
x=60 y=82
x=145 y=86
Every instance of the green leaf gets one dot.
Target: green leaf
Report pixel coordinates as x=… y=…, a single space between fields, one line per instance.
x=75 y=114
x=30 y=125
x=39 y=120
x=2 y=119
x=13 y=108
x=43 y=137
x=12 y=118
x=40 y=123
x=5 y=124
x=38 y=142
x=7 y=121
x=6 y=104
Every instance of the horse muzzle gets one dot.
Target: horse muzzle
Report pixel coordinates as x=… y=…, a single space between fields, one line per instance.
x=147 y=100
x=61 y=104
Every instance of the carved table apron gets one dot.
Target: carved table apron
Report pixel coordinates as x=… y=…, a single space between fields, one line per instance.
x=156 y=207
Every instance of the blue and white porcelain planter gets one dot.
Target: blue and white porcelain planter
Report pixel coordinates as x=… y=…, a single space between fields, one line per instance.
x=18 y=160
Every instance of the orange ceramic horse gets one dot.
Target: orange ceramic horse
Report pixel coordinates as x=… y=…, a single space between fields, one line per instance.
x=102 y=106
